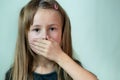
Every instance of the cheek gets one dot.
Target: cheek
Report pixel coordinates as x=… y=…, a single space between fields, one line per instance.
x=56 y=37
x=30 y=39
x=31 y=36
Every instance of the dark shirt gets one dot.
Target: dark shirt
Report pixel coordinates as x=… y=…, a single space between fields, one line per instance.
x=37 y=76
x=49 y=76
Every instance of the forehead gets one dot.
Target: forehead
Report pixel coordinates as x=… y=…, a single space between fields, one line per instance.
x=48 y=16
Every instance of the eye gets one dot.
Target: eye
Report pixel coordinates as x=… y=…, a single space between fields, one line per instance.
x=36 y=29
x=52 y=28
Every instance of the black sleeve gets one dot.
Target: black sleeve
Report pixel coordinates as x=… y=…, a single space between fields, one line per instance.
x=8 y=75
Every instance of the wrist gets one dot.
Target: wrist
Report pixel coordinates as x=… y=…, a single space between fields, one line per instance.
x=62 y=59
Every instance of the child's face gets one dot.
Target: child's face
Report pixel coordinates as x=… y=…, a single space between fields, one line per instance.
x=46 y=23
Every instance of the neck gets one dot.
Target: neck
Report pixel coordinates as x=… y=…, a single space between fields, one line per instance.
x=43 y=65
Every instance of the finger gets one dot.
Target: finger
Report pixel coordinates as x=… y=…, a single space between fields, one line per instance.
x=42 y=41
x=38 y=44
x=37 y=49
x=52 y=40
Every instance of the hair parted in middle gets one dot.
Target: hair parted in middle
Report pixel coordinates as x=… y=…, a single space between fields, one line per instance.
x=24 y=56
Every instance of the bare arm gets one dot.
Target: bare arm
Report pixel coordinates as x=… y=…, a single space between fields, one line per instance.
x=73 y=69
x=52 y=51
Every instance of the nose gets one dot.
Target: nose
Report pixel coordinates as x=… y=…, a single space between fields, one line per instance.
x=44 y=34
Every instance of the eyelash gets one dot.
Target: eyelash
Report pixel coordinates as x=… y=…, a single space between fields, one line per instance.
x=52 y=28
x=36 y=29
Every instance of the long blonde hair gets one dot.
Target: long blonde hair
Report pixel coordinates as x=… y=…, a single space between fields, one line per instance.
x=23 y=62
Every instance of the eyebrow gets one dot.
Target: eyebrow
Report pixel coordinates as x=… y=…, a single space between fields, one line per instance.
x=37 y=25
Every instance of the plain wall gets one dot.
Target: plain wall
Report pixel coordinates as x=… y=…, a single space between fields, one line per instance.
x=95 y=34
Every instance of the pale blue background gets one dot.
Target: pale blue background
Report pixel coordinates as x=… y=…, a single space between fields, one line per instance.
x=95 y=33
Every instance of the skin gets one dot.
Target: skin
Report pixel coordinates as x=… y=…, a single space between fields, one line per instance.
x=45 y=37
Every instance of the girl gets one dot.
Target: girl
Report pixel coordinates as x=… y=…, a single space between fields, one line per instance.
x=44 y=46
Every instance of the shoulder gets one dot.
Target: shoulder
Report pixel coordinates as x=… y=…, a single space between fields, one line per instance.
x=8 y=74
